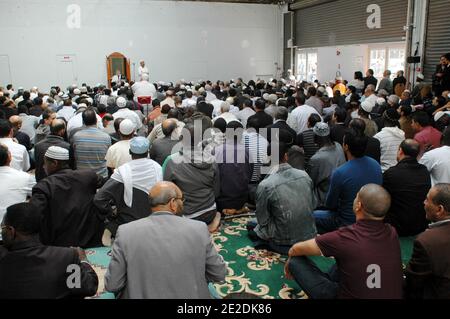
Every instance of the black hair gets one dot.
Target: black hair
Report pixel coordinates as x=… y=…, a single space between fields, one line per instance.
x=24 y=218
x=313 y=119
x=89 y=117
x=411 y=149
x=406 y=109
x=156 y=103
x=5 y=128
x=260 y=104
x=356 y=142
x=3 y=154
x=340 y=115
x=300 y=98
x=421 y=118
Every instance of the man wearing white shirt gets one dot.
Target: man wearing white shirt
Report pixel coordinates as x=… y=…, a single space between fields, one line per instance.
x=20 y=158
x=144 y=88
x=67 y=112
x=143 y=70
x=225 y=113
x=298 y=119
x=15 y=185
x=437 y=161
x=190 y=100
x=369 y=95
x=126 y=113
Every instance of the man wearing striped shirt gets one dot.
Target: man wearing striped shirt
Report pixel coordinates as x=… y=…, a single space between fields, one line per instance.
x=257 y=145
x=90 y=145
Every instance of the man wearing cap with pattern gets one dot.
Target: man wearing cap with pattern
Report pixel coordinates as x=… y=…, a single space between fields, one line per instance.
x=128 y=188
x=119 y=153
x=126 y=113
x=65 y=201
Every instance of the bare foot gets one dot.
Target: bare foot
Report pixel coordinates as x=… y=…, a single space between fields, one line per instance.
x=106 y=238
x=214 y=226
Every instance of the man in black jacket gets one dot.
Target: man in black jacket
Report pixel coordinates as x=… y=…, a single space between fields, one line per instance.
x=370 y=79
x=65 y=201
x=55 y=138
x=281 y=116
x=30 y=270
x=408 y=183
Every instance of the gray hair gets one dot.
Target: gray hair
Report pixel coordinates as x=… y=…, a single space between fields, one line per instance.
x=225 y=107
x=282 y=113
x=164 y=197
x=442 y=196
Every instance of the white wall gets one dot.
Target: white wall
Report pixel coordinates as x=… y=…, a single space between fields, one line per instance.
x=178 y=40
x=352 y=58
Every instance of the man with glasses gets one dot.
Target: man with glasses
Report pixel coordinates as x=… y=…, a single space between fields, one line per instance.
x=164 y=255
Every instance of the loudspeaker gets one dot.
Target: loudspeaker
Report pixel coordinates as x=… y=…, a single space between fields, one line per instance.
x=413 y=59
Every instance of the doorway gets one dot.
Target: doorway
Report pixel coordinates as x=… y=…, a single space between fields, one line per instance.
x=66 y=70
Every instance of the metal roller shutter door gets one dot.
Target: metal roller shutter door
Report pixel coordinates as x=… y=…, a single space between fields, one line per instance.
x=438 y=36
x=343 y=22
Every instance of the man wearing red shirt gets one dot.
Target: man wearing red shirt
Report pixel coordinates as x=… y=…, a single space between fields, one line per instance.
x=428 y=137
x=367 y=254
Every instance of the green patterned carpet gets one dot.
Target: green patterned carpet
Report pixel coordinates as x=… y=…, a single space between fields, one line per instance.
x=253 y=271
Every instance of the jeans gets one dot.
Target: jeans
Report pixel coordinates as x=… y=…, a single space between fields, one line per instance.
x=315 y=283
x=261 y=243
x=325 y=221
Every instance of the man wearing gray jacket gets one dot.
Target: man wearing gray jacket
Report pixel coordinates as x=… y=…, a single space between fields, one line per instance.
x=153 y=258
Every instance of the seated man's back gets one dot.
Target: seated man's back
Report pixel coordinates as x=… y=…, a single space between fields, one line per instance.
x=164 y=255
x=284 y=206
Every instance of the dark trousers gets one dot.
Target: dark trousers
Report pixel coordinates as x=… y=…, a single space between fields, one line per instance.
x=261 y=243
x=314 y=282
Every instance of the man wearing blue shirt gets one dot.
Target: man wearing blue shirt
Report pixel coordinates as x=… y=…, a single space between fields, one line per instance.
x=345 y=183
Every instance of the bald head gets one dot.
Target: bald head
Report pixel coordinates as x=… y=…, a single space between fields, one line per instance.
x=58 y=127
x=409 y=148
x=16 y=121
x=373 y=201
x=166 y=196
x=168 y=126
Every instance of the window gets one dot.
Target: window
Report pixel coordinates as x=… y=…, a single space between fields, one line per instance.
x=306 y=69
x=396 y=61
x=390 y=58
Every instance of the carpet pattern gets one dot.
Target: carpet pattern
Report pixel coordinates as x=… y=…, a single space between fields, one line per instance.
x=257 y=272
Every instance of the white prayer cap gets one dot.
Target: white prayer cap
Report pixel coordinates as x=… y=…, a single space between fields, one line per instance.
x=81 y=105
x=182 y=86
x=421 y=76
x=77 y=92
x=121 y=102
x=74 y=86
x=83 y=89
x=230 y=100
x=127 y=85
x=20 y=88
x=367 y=106
x=272 y=98
x=126 y=127
x=57 y=153
x=90 y=100
x=266 y=96
x=61 y=93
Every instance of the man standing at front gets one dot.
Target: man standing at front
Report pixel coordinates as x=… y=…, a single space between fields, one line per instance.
x=143 y=70
x=154 y=257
